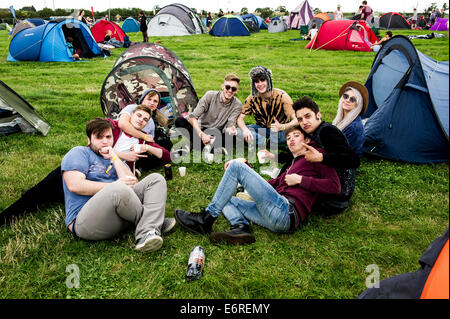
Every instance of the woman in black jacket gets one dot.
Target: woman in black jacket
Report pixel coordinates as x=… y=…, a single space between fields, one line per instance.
x=143 y=27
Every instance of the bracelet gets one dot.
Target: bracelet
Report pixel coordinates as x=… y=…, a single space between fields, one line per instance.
x=284 y=127
x=114 y=158
x=200 y=134
x=145 y=137
x=146 y=147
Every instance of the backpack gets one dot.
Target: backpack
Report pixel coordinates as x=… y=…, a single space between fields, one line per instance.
x=126 y=41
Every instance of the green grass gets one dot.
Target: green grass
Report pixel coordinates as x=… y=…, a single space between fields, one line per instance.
x=396 y=211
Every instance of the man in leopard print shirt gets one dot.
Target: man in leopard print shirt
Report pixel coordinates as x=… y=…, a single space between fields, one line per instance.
x=271 y=108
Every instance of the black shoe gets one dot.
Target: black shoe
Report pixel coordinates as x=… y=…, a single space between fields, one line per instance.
x=240 y=234
x=199 y=223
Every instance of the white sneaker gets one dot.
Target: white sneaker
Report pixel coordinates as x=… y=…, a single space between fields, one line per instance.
x=150 y=242
x=168 y=225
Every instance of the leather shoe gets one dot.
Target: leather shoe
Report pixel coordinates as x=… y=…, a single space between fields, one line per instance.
x=199 y=223
x=240 y=234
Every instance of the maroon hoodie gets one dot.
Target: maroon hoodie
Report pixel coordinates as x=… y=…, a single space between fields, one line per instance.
x=116 y=134
x=316 y=178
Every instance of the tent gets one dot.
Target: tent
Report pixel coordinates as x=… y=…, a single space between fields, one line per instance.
x=430 y=281
x=36 y=21
x=229 y=26
x=257 y=19
x=19 y=26
x=47 y=42
x=441 y=24
x=251 y=26
x=407 y=115
x=175 y=20
x=318 y=19
x=130 y=25
x=144 y=66
x=393 y=20
x=300 y=16
x=347 y=35
x=17 y=115
x=277 y=26
x=100 y=28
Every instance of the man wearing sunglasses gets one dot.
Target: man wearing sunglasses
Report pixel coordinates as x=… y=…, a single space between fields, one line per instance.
x=271 y=107
x=215 y=113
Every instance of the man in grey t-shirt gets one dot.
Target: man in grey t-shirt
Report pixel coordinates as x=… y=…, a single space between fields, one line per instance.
x=216 y=112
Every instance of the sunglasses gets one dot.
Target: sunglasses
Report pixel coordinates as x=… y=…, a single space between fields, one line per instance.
x=350 y=98
x=260 y=79
x=228 y=87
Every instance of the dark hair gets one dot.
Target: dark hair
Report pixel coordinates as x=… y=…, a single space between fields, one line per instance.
x=97 y=126
x=364 y=2
x=307 y=102
x=314 y=25
x=296 y=128
x=389 y=33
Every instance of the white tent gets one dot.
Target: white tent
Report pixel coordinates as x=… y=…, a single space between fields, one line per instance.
x=300 y=15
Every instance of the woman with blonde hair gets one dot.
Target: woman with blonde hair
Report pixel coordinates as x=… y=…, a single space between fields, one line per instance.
x=353 y=102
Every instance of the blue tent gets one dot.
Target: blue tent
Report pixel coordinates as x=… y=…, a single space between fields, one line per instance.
x=47 y=42
x=36 y=21
x=258 y=20
x=229 y=26
x=407 y=115
x=130 y=25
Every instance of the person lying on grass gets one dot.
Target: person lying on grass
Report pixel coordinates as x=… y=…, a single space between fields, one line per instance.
x=104 y=198
x=130 y=148
x=50 y=189
x=280 y=204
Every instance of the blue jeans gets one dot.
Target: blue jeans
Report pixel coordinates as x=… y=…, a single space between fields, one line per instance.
x=268 y=209
x=260 y=134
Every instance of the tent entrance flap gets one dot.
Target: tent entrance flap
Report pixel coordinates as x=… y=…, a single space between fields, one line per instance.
x=395 y=65
x=79 y=41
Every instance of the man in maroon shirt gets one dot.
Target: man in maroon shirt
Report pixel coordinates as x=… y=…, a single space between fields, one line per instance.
x=280 y=205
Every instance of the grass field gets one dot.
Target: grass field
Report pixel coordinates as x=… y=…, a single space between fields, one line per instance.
x=396 y=212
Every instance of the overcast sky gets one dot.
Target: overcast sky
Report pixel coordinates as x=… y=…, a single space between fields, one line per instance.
x=227 y=5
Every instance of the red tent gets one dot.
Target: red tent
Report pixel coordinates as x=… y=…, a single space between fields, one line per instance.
x=350 y=35
x=100 y=28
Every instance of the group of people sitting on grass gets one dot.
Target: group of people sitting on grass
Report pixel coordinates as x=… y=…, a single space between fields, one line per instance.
x=103 y=196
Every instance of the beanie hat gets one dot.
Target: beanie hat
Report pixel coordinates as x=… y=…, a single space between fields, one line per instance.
x=147 y=92
x=260 y=71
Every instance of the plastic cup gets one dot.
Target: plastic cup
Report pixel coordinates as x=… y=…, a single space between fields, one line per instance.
x=137 y=148
x=261 y=155
x=209 y=157
x=182 y=171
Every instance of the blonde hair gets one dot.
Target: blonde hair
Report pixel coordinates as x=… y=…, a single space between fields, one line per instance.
x=232 y=77
x=342 y=122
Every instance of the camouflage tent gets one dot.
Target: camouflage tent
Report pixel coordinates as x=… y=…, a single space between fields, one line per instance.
x=144 y=66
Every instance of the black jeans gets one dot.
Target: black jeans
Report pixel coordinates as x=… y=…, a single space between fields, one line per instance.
x=47 y=191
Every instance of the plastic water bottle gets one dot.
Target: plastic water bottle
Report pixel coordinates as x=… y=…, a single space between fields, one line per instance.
x=195 y=263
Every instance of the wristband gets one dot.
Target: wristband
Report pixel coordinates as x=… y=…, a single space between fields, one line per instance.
x=114 y=158
x=284 y=127
x=145 y=137
x=146 y=147
x=200 y=134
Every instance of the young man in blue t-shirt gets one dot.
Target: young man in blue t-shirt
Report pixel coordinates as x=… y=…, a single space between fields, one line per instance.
x=103 y=197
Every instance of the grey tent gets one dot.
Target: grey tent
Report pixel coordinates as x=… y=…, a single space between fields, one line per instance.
x=21 y=25
x=17 y=115
x=277 y=26
x=251 y=26
x=174 y=20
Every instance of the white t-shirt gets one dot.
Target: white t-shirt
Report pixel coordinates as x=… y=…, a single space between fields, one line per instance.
x=313 y=32
x=339 y=15
x=125 y=143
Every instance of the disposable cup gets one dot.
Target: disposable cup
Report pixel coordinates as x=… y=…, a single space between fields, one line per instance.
x=137 y=148
x=261 y=158
x=182 y=171
x=209 y=157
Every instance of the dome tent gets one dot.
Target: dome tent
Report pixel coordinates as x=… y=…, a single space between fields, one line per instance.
x=100 y=28
x=257 y=19
x=130 y=25
x=47 y=42
x=229 y=26
x=349 y=35
x=393 y=20
x=318 y=19
x=175 y=20
x=407 y=115
x=144 y=66
x=276 y=25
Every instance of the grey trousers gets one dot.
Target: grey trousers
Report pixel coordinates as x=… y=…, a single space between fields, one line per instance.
x=118 y=207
